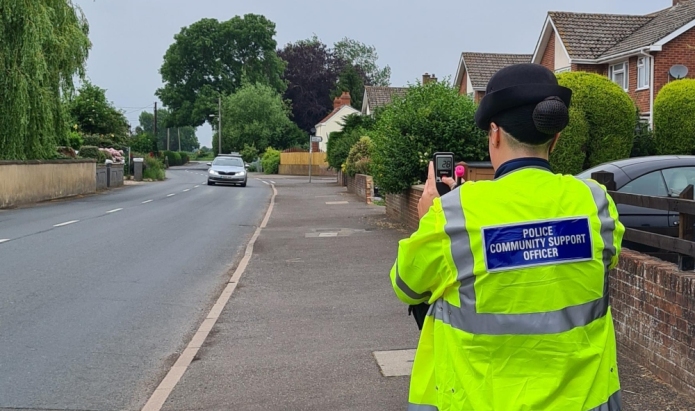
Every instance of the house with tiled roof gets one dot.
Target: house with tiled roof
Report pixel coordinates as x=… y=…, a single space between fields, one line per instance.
x=475 y=70
x=334 y=120
x=641 y=53
x=375 y=97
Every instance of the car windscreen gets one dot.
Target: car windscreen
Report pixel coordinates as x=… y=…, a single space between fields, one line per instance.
x=228 y=162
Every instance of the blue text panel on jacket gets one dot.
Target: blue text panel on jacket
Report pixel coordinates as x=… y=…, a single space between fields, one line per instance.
x=538 y=243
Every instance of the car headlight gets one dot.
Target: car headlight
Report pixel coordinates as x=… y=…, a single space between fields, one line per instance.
x=213 y=172
x=241 y=173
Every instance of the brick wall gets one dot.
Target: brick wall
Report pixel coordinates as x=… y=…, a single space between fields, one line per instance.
x=674 y=52
x=654 y=314
x=548 y=59
x=479 y=96
x=601 y=69
x=362 y=186
x=463 y=87
x=403 y=207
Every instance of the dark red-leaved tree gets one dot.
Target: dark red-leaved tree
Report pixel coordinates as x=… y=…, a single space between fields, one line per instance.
x=312 y=72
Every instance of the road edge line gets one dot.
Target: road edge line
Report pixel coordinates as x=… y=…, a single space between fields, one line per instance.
x=173 y=376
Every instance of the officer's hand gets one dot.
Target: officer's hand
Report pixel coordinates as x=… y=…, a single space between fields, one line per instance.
x=430 y=192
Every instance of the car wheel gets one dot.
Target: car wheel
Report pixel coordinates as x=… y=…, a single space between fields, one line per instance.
x=243 y=184
x=210 y=183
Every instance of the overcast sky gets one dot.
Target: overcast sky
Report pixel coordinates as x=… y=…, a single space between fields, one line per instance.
x=130 y=37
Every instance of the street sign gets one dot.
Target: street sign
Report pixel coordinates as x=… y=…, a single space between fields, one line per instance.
x=316 y=139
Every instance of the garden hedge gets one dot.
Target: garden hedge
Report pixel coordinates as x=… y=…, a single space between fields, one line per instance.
x=359 y=159
x=89 y=152
x=609 y=113
x=674 y=118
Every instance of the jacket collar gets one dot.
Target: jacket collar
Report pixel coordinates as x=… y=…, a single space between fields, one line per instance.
x=519 y=163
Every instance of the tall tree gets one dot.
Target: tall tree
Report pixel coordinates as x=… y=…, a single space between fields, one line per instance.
x=92 y=113
x=189 y=140
x=44 y=44
x=364 y=58
x=256 y=115
x=210 y=58
x=311 y=74
x=352 y=81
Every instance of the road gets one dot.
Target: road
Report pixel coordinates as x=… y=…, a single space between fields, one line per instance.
x=99 y=295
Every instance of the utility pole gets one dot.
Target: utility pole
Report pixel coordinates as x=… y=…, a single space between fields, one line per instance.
x=156 y=140
x=167 y=138
x=178 y=130
x=219 y=118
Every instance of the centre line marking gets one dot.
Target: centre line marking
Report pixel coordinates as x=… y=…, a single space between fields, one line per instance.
x=188 y=189
x=196 y=186
x=4 y=240
x=177 y=371
x=148 y=201
x=114 y=211
x=66 y=223
x=171 y=195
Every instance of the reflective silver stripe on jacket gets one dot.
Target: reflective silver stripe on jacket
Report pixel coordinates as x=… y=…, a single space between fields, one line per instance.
x=467 y=319
x=417 y=407
x=407 y=290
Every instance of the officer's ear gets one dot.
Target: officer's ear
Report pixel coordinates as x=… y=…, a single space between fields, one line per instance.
x=494 y=135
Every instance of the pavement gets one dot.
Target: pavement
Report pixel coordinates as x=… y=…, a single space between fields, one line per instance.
x=313 y=306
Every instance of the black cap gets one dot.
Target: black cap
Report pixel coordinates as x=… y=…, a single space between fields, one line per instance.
x=513 y=98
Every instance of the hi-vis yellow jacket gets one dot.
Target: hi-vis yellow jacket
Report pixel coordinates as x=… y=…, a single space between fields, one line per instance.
x=516 y=270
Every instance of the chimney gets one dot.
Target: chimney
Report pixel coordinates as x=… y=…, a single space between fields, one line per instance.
x=345 y=98
x=425 y=78
x=337 y=103
x=433 y=79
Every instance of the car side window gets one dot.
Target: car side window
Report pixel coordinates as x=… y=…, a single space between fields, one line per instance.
x=677 y=179
x=651 y=184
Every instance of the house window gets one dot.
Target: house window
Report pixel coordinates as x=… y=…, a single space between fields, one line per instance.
x=618 y=74
x=643 y=72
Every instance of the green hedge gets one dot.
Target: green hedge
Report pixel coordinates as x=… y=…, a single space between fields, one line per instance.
x=175 y=158
x=570 y=151
x=271 y=161
x=359 y=159
x=674 y=118
x=432 y=117
x=154 y=168
x=609 y=113
x=89 y=152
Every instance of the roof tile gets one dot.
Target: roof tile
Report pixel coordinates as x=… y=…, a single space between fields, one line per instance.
x=482 y=66
x=381 y=96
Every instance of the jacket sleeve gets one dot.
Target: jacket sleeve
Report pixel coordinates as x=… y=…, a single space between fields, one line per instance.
x=422 y=272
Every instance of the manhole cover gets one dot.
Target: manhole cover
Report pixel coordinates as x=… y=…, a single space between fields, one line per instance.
x=395 y=363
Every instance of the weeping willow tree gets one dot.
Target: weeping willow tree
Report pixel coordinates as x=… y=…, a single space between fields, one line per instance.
x=44 y=44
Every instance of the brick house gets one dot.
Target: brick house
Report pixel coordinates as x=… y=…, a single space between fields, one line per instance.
x=476 y=69
x=333 y=121
x=636 y=52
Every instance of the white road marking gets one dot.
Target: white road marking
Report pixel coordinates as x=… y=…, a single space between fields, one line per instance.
x=336 y=202
x=179 y=368
x=188 y=189
x=66 y=223
x=148 y=201
x=4 y=240
x=196 y=186
x=114 y=211
x=272 y=182
x=171 y=195
x=265 y=182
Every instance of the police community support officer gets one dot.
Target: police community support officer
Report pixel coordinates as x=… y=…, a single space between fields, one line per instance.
x=516 y=270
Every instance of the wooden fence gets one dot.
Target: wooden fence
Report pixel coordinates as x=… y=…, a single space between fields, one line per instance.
x=683 y=245
x=302 y=158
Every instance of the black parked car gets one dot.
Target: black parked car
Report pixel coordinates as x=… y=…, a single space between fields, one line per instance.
x=659 y=176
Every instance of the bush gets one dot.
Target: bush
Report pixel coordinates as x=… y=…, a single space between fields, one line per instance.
x=184 y=157
x=644 y=143
x=89 y=152
x=142 y=143
x=154 y=168
x=338 y=147
x=674 y=121
x=252 y=168
x=359 y=159
x=432 y=117
x=249 y=153
x=75 y=140
x=570 y=151
x=173 y=158
x=609 y=113
x=101 y=157
x=271 y=161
